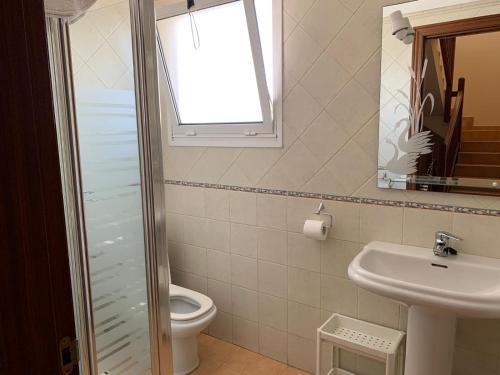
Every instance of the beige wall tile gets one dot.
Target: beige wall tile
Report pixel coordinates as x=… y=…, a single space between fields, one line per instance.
x=469 y=362
x=195 y=231
x=420 y=226
x=377 y=309
x=220 y=293
x=297 y=8
x=273 y=279
x=219 y=265
x=301 y=353
x=218 y=234
x=300 y=51
x=195 y=260
x=403 y=317
x=273 y=311
x=324 y=137
x=324 y=20
x=473 y=334
x=222 y=326
x=271 y=211
x=244 y=272
x=245 y=303
x=325 y=180
x=303 y=320
x=338 y=295
x=85 y=38
x=304 y=286
x=381 y=223
x=192 y=281
x=107 y=65
x=246 y=334
x=336 y=255
x=177 y=276
x=353 y=107
x=243 y=207
x=346 y=220
x=299 y=109
x=358 y=39
x=272 y=245
x=479 y=233
x=175 y=227
x=176 y=255
x=369 y=366
x=193 y=201
x=244 y=240
x=294 y=169
x=212 y=165
x=173 y=198
x=343 y=161
x=273 y=343
x=217 y=204
x=304 y=252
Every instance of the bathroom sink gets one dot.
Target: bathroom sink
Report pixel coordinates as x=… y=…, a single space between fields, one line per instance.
x=436 y=290
x=465 y=284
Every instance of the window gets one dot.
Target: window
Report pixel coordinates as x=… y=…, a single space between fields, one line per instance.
x=221 y=78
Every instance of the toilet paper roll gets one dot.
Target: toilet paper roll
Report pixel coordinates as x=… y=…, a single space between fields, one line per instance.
x=315 y=229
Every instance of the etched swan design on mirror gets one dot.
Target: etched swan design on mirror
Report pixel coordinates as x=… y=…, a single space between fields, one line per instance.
x=405 y=164
x=419 y=143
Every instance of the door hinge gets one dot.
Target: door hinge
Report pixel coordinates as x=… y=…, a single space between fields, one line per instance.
x=68 y=352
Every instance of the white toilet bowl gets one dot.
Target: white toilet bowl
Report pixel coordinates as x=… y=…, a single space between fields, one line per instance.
x=190 y=313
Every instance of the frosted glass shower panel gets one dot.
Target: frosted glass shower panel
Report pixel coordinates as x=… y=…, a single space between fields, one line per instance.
x=114 y=223
x=109 y=154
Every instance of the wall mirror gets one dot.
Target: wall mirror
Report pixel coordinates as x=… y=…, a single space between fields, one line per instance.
x=440 y=97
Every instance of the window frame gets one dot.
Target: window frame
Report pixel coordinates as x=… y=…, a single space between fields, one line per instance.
x=252 y=134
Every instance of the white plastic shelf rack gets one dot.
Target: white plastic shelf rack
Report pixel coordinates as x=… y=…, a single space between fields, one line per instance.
x=363 y=338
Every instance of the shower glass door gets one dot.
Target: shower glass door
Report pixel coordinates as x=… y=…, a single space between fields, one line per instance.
x=105 y=106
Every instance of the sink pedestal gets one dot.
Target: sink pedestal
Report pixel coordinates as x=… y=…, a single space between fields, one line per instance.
x=430 y=341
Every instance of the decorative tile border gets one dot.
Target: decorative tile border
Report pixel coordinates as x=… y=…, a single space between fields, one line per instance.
x=341 y=198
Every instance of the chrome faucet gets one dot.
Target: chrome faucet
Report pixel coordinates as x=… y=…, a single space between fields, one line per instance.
x=441 y=244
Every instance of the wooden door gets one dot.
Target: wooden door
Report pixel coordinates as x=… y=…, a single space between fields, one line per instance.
x=36 y=309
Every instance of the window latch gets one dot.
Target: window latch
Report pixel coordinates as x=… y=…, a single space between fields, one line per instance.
x=191 y=133
x=250 y=133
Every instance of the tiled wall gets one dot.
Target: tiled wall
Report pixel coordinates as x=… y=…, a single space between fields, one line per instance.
x=273 y=287
x=332 y=52
x=102 y=47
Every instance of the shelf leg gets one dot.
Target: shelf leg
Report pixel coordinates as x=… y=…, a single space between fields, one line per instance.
x=390 y=366
x=318 y=353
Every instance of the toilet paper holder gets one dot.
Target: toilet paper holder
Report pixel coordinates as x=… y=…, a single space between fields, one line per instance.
x=321 y=212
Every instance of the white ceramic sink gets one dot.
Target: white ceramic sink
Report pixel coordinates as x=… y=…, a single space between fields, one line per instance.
x=465 y=284
x=436 y=289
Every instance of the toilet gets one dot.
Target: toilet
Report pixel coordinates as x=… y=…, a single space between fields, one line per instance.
x=190 y=313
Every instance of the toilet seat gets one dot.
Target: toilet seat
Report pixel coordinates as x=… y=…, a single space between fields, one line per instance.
x=198 y=302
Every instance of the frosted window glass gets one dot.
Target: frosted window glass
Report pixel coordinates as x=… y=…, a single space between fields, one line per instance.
x=215 y=83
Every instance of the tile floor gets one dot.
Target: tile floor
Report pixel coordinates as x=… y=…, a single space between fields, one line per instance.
x=218 y=357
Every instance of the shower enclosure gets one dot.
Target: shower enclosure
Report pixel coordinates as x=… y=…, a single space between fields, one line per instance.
x=105 y=99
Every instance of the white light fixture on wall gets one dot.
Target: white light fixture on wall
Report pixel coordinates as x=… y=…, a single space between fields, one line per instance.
x=401 y=28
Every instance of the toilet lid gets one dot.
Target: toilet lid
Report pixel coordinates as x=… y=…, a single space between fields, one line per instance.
x=194 y=298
